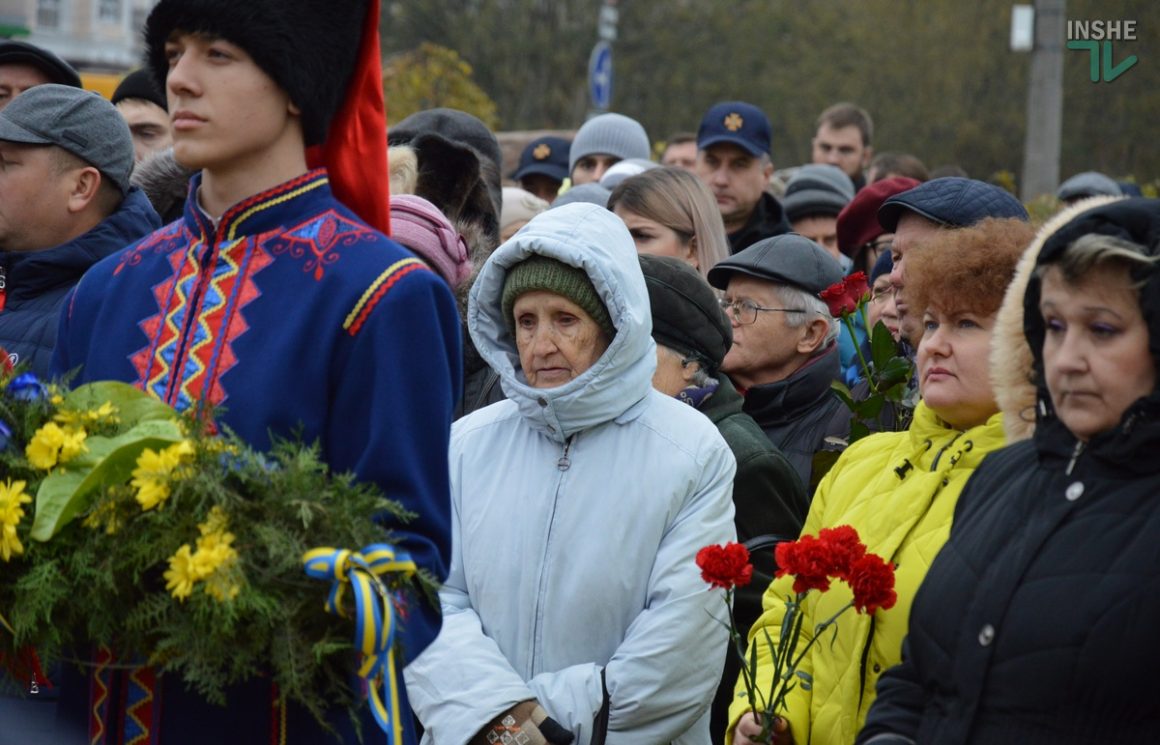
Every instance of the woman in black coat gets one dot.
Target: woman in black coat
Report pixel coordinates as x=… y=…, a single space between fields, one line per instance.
x=1039 y=621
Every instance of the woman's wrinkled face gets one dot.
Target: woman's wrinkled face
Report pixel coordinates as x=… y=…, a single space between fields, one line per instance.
x=556 y=339
x=953 y=366
x=1095 y=348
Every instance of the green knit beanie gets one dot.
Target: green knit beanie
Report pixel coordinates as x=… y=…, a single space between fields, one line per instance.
x=550 y=275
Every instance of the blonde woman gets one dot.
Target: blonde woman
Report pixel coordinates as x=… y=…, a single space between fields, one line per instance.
x=670 y=212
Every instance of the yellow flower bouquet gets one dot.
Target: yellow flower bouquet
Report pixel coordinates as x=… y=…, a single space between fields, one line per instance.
x=127 y=527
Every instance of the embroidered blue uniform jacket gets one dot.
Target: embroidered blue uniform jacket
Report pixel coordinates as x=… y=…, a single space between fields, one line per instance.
x=289 y=316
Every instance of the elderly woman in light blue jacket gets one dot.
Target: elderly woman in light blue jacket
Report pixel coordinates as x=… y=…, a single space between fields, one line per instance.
x=574 y=610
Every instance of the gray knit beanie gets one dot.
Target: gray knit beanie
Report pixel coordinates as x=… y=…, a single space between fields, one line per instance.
x=550 y=275
x=816 y=189
x=609 y=134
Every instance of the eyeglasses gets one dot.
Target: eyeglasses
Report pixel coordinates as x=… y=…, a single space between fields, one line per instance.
x=881 y=296
x=879 y=246
x=744 y=312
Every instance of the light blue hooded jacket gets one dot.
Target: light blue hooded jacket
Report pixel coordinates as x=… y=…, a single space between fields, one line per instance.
x=578 y=512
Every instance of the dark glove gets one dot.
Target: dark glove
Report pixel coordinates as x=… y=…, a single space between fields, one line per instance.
x=554 y=733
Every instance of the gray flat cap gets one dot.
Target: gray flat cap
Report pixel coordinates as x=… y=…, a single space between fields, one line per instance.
x=789 y=259
x=75 y=120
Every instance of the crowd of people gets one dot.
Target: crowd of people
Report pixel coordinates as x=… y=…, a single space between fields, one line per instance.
x=578 y=373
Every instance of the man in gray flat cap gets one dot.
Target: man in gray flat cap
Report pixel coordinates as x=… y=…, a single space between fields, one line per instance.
x=65 y=203
x=784 y=354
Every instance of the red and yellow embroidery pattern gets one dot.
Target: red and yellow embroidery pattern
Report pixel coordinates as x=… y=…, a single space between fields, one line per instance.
x=191 y=338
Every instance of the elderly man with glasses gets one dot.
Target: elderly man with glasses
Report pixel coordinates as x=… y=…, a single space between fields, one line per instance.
x=784 y=356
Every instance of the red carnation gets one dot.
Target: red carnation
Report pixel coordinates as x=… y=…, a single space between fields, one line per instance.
x=845 y=548
x=5 y=362
x=808 y=560
x=872 y=581
x=725 y=566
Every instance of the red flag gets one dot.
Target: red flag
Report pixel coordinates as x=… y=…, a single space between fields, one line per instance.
x=355 y=150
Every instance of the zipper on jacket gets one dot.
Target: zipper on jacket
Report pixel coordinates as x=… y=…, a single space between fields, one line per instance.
x=943 y=449
x=1074 y=456
x=1127 y=429
x=564 y=463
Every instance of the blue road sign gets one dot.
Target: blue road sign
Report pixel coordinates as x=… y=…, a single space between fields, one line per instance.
x=600 y=75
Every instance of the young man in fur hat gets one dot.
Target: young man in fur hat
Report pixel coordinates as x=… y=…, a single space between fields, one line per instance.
x=275 y=302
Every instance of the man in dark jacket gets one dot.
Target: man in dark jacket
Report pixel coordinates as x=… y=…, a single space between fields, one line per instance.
x=65 y=203
x=784 y=354
x=734 y=157
x=693 y=335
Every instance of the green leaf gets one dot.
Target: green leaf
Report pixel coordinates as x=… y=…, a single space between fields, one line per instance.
x=843 y=392
x=133 y=404
x=65 y=493
x=882 y=346
x=858 y=430
x=870 y=407
x=897 y=370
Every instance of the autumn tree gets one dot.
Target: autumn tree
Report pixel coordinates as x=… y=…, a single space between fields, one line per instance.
x=432 y=76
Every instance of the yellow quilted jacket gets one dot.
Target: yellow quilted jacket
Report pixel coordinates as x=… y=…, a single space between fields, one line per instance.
x=898 y=490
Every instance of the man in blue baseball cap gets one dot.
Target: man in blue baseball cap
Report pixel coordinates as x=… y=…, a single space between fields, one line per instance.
x=543 y=167
x=734 y=157
x=918 y=215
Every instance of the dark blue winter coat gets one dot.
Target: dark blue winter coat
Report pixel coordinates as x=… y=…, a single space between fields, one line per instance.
x=35 y=283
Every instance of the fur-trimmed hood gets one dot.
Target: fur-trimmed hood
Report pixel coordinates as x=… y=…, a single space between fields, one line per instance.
x=165 y=182
x=1011 y=362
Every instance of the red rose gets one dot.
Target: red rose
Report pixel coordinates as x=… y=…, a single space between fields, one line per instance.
x=845 y=548
x=836 y=300
x=808 y=560
x=857 y=287
x=872 y=581
x=725 y=566
x=843 y=298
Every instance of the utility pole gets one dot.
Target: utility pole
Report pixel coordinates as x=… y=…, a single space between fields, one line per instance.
x=1044 y=101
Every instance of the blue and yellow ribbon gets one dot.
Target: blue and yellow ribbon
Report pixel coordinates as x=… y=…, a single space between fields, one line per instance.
x=374 y=617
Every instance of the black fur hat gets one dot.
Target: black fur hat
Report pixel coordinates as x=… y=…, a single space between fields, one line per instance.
x=308 y=47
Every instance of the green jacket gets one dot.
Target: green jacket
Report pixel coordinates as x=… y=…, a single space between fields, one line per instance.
x=898 y=490
x=768 y=496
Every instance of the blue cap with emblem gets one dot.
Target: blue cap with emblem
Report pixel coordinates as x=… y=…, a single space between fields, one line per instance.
x=544 y=155
x=737 y=123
